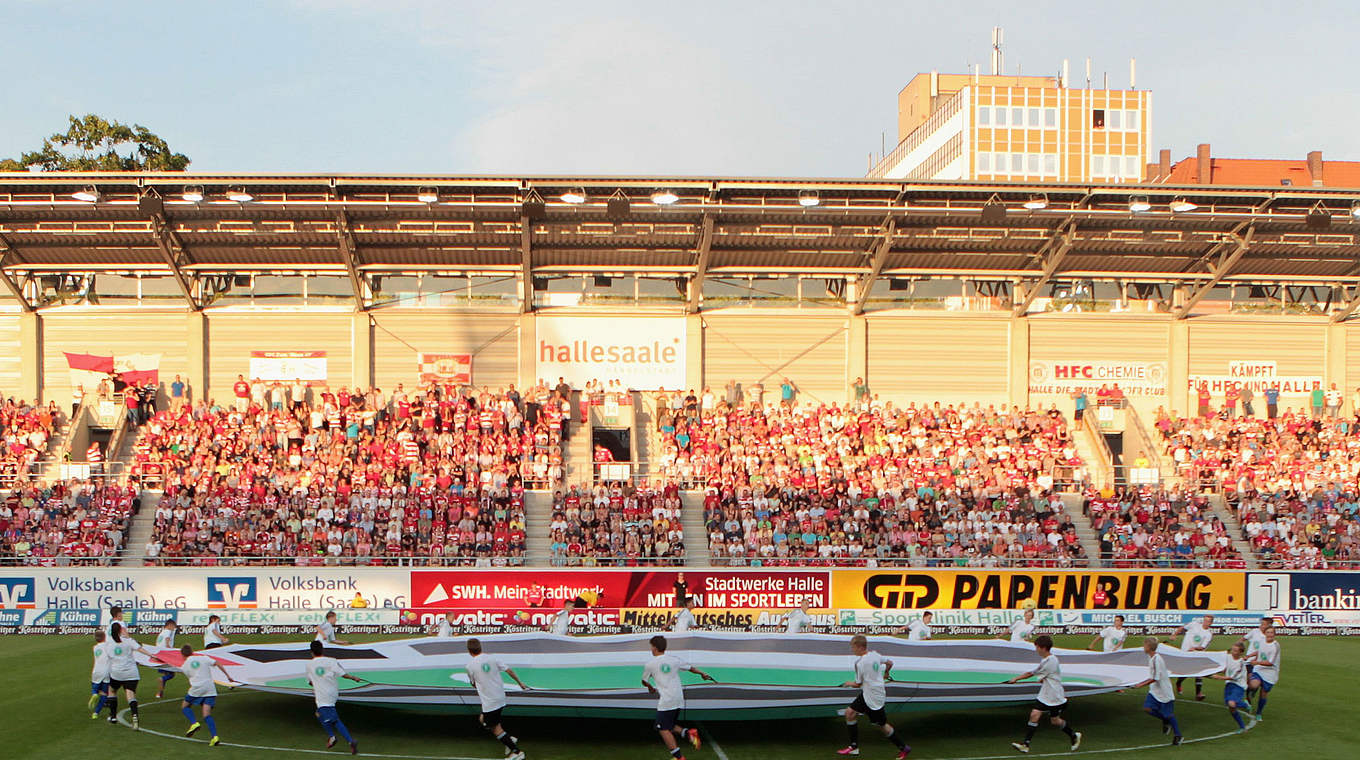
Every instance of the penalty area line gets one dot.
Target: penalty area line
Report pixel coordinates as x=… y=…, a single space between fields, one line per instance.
x=126 y=711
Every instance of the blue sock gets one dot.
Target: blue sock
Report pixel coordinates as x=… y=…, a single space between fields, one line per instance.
x=98 y=708
x=325 y=726
x=344 y=732
x=1261 y=703
x=1237 y=716
x=212 y=724
x=1175 y=727
x=188 y=713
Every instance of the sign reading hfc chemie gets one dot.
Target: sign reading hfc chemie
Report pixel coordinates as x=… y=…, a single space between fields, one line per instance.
x=643 y=353
x=1134 y=378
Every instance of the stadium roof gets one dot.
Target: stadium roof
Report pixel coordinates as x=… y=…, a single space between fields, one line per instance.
x=863 y=229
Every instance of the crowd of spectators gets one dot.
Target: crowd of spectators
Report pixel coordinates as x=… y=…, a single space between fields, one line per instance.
x=70 y=523
x=352 y=473
x=1152 y=527
x=25 y=431
x=869 y=481
x=1293 y=530
x=616 y=524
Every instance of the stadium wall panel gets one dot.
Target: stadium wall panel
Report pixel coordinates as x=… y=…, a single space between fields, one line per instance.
x=116 y=333
x=940 y=358
x=233 y=335
x=1351 y=345
x=11 y=363
x=1087 y=338
x=810 y=349
x=400 y=337
x=1298 y=348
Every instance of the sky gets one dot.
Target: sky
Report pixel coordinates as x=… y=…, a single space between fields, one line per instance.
x=792 y=88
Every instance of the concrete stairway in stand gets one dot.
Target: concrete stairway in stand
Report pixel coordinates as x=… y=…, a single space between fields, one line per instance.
x=1234 y=526
x=537 y=518
x=134 y=546
x=696 y=536
x=1085 y=533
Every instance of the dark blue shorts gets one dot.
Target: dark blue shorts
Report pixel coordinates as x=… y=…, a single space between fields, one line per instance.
x=99 y=688
x=665 y=719
x=1235 y=694
x=1266 y=686
x=203 y=701
x=1159 y=709
x=327 y=714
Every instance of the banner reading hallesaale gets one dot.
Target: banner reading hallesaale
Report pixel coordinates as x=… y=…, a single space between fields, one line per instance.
x=643 y=353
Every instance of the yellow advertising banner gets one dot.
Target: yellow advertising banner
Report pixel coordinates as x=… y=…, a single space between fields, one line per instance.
x=922 y=588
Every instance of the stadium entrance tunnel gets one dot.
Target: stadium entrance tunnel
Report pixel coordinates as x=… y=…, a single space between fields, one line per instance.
x=619 y=442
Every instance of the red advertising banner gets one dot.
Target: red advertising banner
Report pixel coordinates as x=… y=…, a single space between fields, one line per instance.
x=729 y=589
x=446 y=368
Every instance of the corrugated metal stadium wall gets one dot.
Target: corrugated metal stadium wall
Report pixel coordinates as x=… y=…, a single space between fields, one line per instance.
x=939 y=358
x=1297 y=348
x=1086 y=338
x=767 y=347
x=1352 y=346
x=10 y=362
x=233 y=335
x=116 y=333
x=492 y=339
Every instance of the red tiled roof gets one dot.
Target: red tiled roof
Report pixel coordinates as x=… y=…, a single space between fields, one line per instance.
x=1259 y=171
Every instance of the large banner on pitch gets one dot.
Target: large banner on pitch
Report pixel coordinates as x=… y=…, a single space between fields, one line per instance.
x=920 y=588
x=643 y=353
x=743 y=589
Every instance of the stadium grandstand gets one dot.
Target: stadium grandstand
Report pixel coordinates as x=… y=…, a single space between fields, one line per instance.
x=564 y=371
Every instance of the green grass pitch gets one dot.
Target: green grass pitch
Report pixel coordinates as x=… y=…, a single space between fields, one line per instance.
x=1311 y=715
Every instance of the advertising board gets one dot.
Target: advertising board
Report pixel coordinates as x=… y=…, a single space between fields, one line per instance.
x=920 y=588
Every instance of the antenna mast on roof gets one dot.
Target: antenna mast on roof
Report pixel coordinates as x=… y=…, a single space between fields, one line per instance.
x=998 y=58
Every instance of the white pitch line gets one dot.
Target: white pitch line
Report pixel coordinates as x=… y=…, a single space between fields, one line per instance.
x=122 y=718
x=712 y=742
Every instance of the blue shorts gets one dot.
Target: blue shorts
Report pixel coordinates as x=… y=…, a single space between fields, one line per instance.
x=204 y=701
x=327 y=714
x=1159 y=709
x=99 y=688
x=1234 y=693
x=1266 y=686
x=166 y=675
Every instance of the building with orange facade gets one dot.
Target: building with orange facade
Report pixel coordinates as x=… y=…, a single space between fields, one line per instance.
x=1018 y=128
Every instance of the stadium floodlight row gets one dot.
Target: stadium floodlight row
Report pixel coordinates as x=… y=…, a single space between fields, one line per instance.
x=202 y=229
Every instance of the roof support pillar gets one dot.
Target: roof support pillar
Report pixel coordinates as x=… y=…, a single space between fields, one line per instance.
x=1227 y=259
x=526 y=265
x=172 y=248
x=1051 y=258
x=1349 y=308
x=10 y=256
x=877 y=257
x=349 y=252
x=696 y=283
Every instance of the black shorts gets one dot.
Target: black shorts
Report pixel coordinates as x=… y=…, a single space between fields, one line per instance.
x=213 y=645
x=492 y=718
x=877 y=717
x=115 y=684
x=1052 y=710
x=665 y=719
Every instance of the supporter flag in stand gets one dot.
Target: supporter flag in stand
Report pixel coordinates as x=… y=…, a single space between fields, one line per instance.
x=138 y=369
x=93 y=455
x=410 y=450
x=88 y=370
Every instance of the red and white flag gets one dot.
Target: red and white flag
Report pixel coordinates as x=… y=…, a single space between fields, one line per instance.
x=93 y=454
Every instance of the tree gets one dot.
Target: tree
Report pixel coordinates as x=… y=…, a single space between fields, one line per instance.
x=95 y=144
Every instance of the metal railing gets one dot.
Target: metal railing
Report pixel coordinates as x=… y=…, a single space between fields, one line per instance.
x=1101 y=448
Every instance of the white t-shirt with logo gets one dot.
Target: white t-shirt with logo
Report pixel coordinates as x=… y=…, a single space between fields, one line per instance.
x=484 y=671
x=869 y=669
x=1113 y=638
x=795 y=621
x=1197 y=637
x=561 y=623
x=664 y=672
x=324 y=674
x=445 y=628
x=199 y=670
x=1270 y=652
x=100 y=672
x=1021 y=631
x=917 y=630
x=1160 y=688
x=683 y=620
x=1236 y=671
x=165 y=639
x=1049 y=674
x=1254 y=639
x=325 y=632
x=213 y=634
x=122 y=665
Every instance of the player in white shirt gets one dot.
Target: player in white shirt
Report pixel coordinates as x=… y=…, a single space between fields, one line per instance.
x=1111 y=637
x=1235 y=690
x=1265 y=669
x=99 y=674
x=115 y=616
x=123 y=673
x=1052 y=698
x=684 y=619
x=324 y=674
x=1253 y=640
x=661 y=676
x=561 y=622
x=325 y=631
x=484 y=672
x=1022 y=630
x=202 y=692
x=1197 y=635
x=798 y=619
x=444 y=628
x=1160 y=700
x=165 y=640
x=919 y=629
x=872 y=671
x=213 y=636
